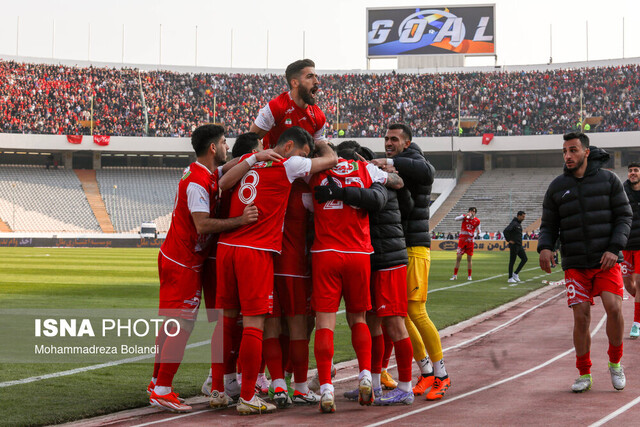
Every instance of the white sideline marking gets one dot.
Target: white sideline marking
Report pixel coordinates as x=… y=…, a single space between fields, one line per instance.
x=470 y=282
x=482 y=335
x=497 y=383
x=139 y=358
x=90 y=368
x=614 y=414
x=164 y=420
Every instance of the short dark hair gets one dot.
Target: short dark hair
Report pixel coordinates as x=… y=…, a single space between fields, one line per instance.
x=348 y=144
x=204 y=136
x=245 y=143
x=521 y=213
x=348 y=154
x=584 y=139
x=473 y=209
x=295 y=68
x=366 y=153
x=406 y=130
x=635 y=164
x=299 y=136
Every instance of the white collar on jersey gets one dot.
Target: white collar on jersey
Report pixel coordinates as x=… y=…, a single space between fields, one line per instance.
x=203 y=166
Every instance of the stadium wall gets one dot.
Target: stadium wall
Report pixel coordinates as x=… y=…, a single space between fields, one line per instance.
x=442 y=145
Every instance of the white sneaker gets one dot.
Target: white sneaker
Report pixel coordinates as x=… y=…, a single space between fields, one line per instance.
x=206 y=386
x=327 y=402
x=281 y=398
x=254 y=406
x=365 y=391
x=219 y=399
x=515 y=276
x=512 y=280
x=454 y=277
x=617 y=377
x=582 y=383
x=262 y=384
x=469 y=278
x=309 y=397
x=232 y=389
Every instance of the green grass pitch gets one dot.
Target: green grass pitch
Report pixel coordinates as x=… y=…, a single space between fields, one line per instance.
x=44 y=278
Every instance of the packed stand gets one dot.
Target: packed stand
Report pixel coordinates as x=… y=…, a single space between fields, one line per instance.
x=55 y=99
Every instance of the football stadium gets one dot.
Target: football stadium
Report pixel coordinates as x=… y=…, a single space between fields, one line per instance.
x=379 y=219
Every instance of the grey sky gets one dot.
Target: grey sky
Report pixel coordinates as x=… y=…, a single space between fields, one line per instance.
x=335 y=31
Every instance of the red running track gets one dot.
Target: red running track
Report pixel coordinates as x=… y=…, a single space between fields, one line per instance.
x=514 y=367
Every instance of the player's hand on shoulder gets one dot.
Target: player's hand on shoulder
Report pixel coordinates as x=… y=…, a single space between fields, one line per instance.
x=250 y=214
x=266 y=155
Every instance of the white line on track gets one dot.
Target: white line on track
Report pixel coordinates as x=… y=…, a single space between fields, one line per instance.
x=90 y=368
x=614 y=414
x=477 y=337
x=481 y=389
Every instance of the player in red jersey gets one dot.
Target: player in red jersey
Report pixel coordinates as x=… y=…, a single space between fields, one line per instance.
x=246 y=281
x=342 y=246
x=293 y=108
x=465 y=242
x=182 y=255
x=297 y=107
x=631 y=265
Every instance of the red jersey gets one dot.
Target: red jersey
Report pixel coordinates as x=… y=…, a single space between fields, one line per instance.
x=293 y=260
x=197 y=192
x=468 y=228
x=338 y=226
x=281 y=113
x=267 y=186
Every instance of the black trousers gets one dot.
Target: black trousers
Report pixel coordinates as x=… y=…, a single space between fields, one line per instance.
x=516 y=251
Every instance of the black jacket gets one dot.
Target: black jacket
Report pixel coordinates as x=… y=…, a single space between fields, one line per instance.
x=417 y=174
x=633 y=244
x=513 y=232
x=385 y=220
x=591 y=215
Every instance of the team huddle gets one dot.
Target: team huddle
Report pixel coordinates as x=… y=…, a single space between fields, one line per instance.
x=275 y=238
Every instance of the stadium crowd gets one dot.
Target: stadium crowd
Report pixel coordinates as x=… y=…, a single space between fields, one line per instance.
x=56 y=99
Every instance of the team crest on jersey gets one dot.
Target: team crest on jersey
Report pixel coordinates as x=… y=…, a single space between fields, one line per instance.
x=262 y=165
x=186 y=174
x=345 y=167
x=287 y=122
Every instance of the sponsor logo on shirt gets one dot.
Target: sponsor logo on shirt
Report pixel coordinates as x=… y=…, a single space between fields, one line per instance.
x=290 y=110
x=345 y=168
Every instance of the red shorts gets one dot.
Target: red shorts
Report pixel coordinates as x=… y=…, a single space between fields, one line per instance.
x=291 y=295
x=631 y=263
x=465 y=247
x=389 y=292
x=245 y=280
x=337 y=274
x=179 y=290
x=208 y=278
x=584 y=284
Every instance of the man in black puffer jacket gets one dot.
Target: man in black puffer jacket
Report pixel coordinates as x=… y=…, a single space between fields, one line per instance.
x=587 y=208
x=631 y=264
x=407 y=159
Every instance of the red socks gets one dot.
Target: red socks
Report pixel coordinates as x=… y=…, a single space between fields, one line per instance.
x=160 y=339
x=615 y=353
x=172 y=353
x=636 y=312
x=323 y=350
x=388 y=348
x=377 y=354
x=249 y=358
x=299 y=359
x=469 y=273
x=455 y=271
x=583 y=363
x=361 y=341
x=223 y=357
x=284 y=346
x=272 y=354
x=404 y=359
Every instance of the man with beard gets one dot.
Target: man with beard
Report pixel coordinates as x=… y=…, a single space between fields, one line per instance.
x=297 y=107
x=586 y=208
x=631 y=265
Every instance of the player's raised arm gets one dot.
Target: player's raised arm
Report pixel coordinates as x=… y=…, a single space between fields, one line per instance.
x=326 y=158
x=261 y=132
x=236 y=173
